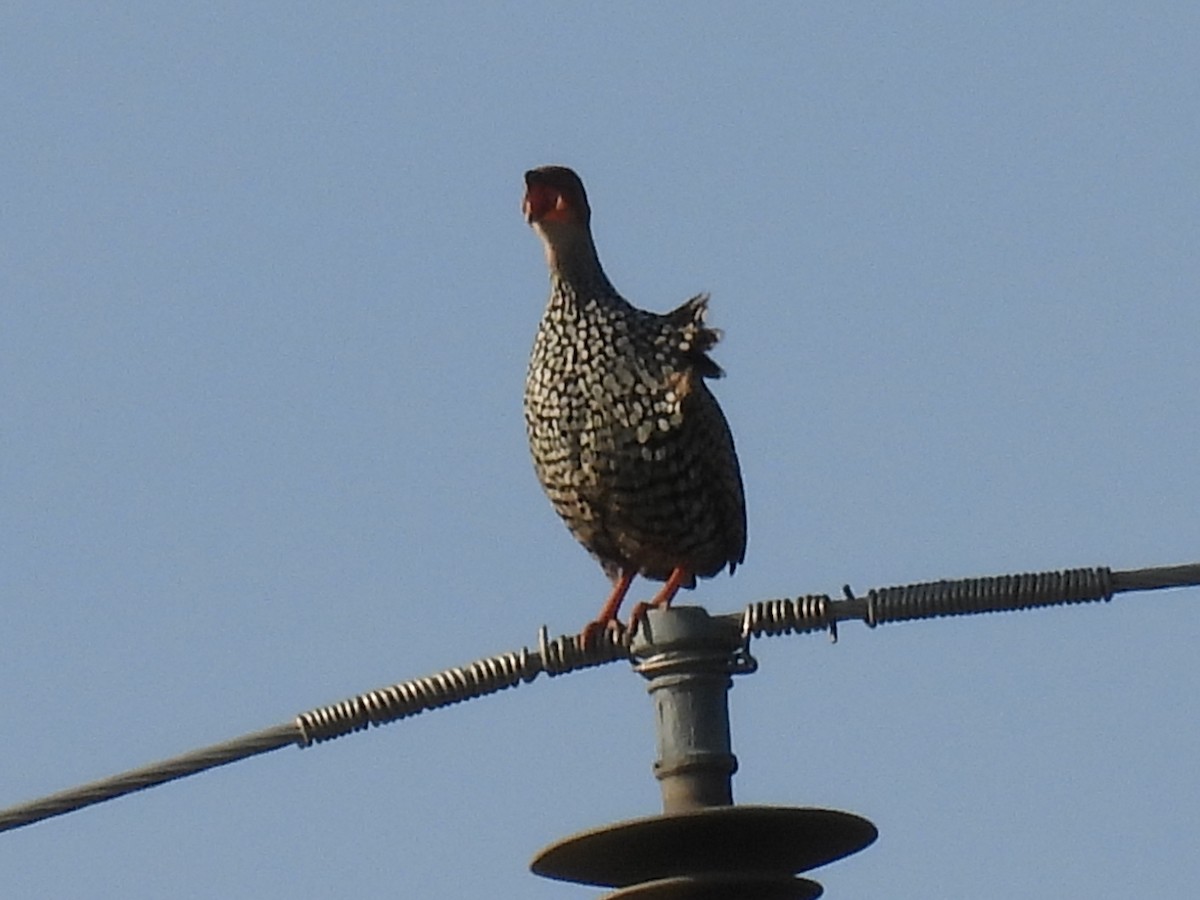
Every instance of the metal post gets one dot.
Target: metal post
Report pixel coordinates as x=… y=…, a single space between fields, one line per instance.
x=689 y=659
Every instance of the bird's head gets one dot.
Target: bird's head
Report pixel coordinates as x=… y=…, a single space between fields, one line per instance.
x=556 y=206
x=554 y=196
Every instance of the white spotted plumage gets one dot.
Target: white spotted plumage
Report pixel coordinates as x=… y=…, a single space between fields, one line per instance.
x=627 y=441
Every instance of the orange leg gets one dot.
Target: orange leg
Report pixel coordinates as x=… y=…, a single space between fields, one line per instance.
x=662 y=599
x=608 y=613
x=620 y=589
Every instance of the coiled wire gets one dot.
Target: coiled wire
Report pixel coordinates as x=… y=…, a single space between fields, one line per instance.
x=1004 y=593
x=477 y=679
x=812 y=612
x=934 y=599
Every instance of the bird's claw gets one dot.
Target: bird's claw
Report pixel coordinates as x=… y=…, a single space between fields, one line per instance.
x=594 y=633
x=638 y=616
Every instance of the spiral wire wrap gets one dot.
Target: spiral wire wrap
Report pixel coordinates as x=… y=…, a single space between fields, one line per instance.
x=969 y=596
x=812 y=612
x=477 y=679
x=935 y=599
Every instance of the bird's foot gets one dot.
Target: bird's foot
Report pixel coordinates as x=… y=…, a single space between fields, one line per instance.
x=662 y=600
x=593 y=634
x=638 y=615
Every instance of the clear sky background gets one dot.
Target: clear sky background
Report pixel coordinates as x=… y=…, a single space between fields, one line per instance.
x=267 y=301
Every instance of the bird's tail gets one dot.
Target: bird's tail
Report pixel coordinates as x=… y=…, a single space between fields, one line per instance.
x=697 y=337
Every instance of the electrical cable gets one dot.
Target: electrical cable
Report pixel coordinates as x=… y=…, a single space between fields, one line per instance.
x=813 y=612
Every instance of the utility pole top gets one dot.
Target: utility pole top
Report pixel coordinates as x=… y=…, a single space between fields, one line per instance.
x=702 y=847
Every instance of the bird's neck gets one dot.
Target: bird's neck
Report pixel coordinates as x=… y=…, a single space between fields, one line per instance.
x=575 y=271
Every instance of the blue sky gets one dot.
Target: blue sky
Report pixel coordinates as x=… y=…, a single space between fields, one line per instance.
x=267 y=304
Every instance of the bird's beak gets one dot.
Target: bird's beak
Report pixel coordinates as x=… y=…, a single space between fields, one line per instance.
x=544 y=204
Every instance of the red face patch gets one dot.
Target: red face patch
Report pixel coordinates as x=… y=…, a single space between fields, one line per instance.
x=546 y=204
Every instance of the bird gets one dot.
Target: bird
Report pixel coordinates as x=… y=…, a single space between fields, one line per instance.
x=628 y=442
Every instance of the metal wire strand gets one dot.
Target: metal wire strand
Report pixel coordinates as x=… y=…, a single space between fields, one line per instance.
x=148 y=776
x=485 y=676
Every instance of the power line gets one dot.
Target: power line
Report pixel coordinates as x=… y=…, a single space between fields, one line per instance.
x=814 y=612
